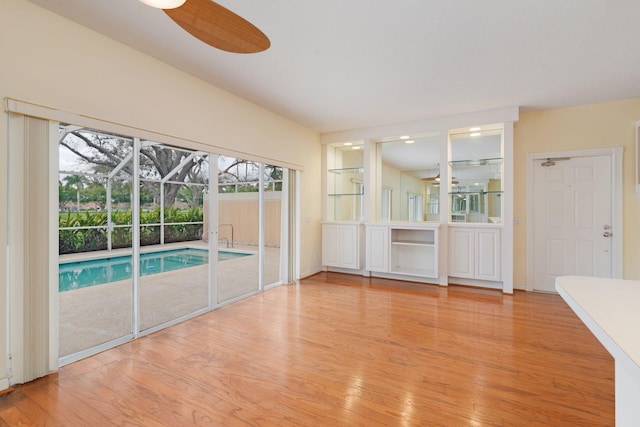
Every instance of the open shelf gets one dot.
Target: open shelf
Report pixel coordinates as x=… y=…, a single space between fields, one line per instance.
x=476 y=192
x=341 y=171
x=414 y=251
x=410 y=243
x=477 y=162
x=414 y=259
x=347 y=182
x=345 y=194
x=407 y=236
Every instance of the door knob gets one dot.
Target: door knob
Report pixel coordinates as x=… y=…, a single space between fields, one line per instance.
x=607 y=234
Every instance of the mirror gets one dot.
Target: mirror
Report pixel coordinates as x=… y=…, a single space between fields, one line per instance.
x=476 y=171
x=409 y=173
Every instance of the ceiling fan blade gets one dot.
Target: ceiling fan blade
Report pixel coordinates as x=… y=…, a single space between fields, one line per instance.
x=219 y=27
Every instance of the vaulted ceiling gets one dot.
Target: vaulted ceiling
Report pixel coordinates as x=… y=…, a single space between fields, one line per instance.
x=336 y=64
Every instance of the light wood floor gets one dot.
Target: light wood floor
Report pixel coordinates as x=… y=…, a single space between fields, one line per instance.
x=342 y=350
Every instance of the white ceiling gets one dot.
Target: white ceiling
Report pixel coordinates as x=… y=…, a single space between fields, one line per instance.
x=344 y=64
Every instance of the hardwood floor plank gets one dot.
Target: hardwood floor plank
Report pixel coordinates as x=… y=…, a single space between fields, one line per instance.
x=10 y=415
x=343 y=350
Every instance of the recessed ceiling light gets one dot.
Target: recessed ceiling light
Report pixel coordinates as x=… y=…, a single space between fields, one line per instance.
x=356 y=147
x=348 y=144
x=474 y=129
x=405 y=137
x=409 y=141
x=475 y=134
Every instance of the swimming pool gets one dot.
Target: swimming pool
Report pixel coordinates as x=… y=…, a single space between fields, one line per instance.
x=80 y=274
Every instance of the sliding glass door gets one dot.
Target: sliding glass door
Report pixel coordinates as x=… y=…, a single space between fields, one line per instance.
x=174 y=256
x=145 y=242
x=94 y=239
x=275 y=223
x=238 y=227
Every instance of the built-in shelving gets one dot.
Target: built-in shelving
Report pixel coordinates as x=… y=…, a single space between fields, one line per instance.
x=348 y=182
x=477 y=194
x=411 y=243
x=402 y=211
x=341 y=171
x=477 y=162
x=345 y=193
x=412 y=236
x=402 y=250
x=414 y=251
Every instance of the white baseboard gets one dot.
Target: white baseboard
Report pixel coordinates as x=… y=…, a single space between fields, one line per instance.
x=4 y=384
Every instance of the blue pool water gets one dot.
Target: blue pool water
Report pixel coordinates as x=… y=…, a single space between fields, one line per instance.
x=80 y=274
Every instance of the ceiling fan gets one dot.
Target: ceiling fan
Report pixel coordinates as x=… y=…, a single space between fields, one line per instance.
x=436 y=179
x=214 y=24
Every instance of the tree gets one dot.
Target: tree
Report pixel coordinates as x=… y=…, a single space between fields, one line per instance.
x=96 y=193
x=192 y=195
x=77 y=182
x=66 y=196
x=102 y=153
x=273 y=176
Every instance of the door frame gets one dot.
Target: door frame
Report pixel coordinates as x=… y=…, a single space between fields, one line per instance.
x=615 y=154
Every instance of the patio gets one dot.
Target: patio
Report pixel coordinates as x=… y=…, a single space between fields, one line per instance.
x=97 y=314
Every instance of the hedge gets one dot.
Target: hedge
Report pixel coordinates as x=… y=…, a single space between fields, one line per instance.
x=81 y=239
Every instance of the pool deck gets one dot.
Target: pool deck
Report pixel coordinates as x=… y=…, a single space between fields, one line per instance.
x=97 y=314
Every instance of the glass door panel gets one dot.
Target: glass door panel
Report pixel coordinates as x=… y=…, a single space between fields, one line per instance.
x=273 y=224
x=94 y=236
x=238 y=228
x=174 y=267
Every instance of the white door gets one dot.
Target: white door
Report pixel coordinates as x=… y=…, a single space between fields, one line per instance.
x=572 y=207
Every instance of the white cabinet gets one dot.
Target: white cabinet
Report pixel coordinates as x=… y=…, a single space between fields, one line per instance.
x=462 y=252
x=341 y=245
x=407 y=250
x=474 y=253
x=488 y=254
x=377 y=258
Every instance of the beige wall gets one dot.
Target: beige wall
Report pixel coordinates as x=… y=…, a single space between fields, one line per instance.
x=590 y=126
x=51 y=61
x=69 y=67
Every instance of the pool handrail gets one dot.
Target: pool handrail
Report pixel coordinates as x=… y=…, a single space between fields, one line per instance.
x=228 y=240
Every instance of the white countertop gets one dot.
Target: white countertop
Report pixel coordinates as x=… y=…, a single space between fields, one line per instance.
x=611 y=310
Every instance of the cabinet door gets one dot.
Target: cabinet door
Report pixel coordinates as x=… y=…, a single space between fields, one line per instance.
x=488 y=255
x=349 y=246
x=331 y=245
x=461 y=252
x=377 y=258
